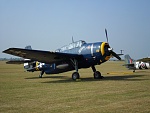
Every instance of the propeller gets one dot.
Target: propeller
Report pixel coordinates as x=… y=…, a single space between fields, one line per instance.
x=115 y=55
x=111 y=49
x=106 y=35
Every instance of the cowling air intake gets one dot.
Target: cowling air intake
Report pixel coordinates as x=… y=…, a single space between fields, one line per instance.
x=104 y=49
x=107 y=52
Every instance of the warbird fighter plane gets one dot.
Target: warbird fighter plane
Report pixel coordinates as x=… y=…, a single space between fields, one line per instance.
x=143 y=63
x=74 y=56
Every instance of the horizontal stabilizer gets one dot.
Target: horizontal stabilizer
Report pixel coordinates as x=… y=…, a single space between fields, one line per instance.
x=120 y=54
x=128 y=65
x=18 y=61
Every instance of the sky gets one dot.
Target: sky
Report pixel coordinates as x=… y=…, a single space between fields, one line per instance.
x=50 y=24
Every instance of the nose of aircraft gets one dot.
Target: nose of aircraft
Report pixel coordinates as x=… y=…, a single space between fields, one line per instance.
x=107 y=51
x=104 y=49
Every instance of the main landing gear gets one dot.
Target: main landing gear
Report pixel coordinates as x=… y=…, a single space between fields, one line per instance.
x=41 y=74
x=97 y=74
x=75 y=75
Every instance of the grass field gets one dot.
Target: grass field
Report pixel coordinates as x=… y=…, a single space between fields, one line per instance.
x=121 y=91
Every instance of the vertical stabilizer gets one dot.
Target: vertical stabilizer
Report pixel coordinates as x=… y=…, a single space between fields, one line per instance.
x=128 y=59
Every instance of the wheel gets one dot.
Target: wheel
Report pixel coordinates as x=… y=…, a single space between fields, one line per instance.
x=41 y=74
x=97 y=75
x=75 y=76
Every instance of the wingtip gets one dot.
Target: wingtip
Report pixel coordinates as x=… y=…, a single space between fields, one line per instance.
x=8 y=50
x=5 y=51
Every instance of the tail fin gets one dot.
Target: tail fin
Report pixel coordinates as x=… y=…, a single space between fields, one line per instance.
x=28 y=47
x=128 y=59
x=129 y=63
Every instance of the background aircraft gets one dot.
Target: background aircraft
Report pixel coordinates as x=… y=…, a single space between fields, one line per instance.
x=74 y=56
x=143 y=63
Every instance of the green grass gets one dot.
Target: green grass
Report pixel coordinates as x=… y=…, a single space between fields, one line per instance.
x=24 y=92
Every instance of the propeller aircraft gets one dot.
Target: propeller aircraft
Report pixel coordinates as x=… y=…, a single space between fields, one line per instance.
x=131 y=64
x=74 y=56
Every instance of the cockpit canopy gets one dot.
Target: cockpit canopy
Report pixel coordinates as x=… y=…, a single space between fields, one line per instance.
x=71 y=46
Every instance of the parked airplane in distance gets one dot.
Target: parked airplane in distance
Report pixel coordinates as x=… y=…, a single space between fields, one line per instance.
x=143 y=63
x=74 y=56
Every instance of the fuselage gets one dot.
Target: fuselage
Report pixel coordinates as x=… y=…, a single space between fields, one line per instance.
x=136 y=65
x=93 y=54
x=141 y=65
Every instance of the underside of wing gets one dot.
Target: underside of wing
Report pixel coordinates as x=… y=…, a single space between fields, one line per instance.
x=41 y=56
x=18 y=61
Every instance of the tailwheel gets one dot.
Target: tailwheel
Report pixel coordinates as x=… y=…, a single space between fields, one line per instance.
x=41 y=74
x=97 y=75
x=75 y=76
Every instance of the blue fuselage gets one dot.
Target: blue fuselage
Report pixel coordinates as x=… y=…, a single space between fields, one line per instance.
x=93 y=54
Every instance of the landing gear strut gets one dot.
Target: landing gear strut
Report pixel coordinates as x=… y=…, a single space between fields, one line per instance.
x=97 y=74
x=75 y=75
x=41 y=74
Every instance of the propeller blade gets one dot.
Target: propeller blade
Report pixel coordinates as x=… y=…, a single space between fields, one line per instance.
x=111 y=49
x=106 y=35
x=115 y=55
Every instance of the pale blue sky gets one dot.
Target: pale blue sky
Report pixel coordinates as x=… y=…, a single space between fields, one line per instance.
x=50 y=24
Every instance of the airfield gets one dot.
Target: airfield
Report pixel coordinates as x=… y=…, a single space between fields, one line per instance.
x=121 y=91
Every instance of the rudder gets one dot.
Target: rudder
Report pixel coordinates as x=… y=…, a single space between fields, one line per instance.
x=128 y=59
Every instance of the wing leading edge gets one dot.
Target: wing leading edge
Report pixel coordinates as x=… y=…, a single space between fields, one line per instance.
x=42 y=56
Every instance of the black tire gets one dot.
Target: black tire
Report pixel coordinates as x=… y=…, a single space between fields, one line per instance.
x=75 y=76
x=41 y=74
x=97 y=75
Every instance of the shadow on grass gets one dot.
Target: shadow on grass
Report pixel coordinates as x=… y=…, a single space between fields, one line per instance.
x=49 y=76
x=125 y=77
x=106 y=78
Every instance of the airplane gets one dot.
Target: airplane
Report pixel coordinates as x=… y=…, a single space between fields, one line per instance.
x=143 y=63
x=73 y=56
